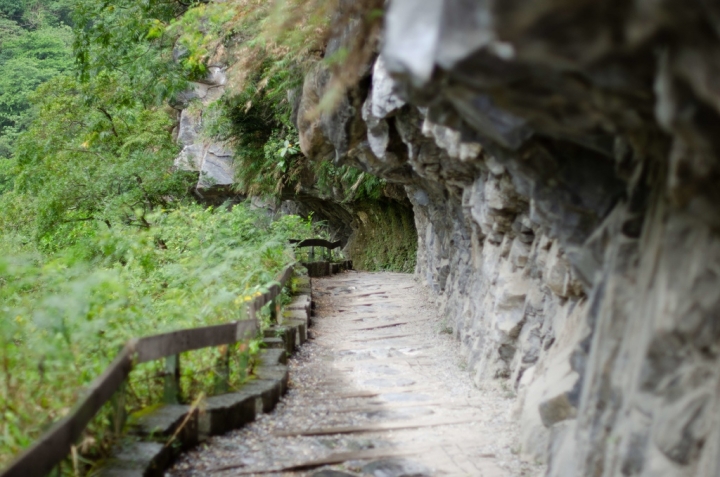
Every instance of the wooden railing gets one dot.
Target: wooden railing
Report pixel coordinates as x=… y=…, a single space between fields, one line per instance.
x=55 y=445
x=316 y=243
x=312 y=243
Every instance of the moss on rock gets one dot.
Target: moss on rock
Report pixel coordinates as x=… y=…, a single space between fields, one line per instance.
x=384 y=237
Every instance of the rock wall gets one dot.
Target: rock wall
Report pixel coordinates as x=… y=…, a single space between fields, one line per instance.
x=212 y=160
x=561 y=160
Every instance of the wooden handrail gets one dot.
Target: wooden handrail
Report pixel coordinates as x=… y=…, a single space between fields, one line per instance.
x=176 y=342
x=40 y=458
x=316 y=243
x=51 y=448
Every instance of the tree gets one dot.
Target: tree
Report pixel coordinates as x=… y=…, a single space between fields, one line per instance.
x=27 y=61
x=128 y=38
x=13 y=9
x=35 y=46
x=94 y=153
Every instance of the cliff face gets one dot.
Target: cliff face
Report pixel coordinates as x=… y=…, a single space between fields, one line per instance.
x=376 y=229
x=213 y=160
x=561 y=160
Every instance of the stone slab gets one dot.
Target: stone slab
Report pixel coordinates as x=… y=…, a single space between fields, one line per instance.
x=300 y=315
x=304 y=290
x=318 y=269
x=299 y=326
x=274 y=343
x=278 y=372
x=165 y=421
x=229 y=411
x=273 y=357
x=139 y=459
x=270 y=390
x=300 y=303
x=286 y=333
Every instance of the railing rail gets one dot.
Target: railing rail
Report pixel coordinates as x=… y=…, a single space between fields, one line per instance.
x=312 y=243
x=51 y=448
x=316 y=243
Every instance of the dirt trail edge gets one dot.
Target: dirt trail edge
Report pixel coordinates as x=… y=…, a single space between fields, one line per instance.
x=380 y=390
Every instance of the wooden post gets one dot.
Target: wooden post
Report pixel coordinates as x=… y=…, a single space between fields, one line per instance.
x=120 y=413
x=222 y=372
x=274 y=310
x=252 y=315
x=171 y=393
x=312 y=254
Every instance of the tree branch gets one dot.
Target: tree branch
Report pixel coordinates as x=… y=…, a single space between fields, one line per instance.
x=110 y=118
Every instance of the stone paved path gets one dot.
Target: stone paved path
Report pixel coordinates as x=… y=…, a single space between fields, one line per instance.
x=379 y=391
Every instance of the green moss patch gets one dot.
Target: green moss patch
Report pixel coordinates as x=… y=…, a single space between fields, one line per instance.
x=385 y=237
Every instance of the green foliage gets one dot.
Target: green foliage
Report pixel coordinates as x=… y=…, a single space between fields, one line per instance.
x=31 y=14
x=128 y=39
x=198 y=32
x=357 y=186
x=94 y=153
x=12 y=9
x=274 y=44
x=385 y=238
x=28 y=58
x=63 y=315
x=287 y=148
x=99 y=240
x=258 y=121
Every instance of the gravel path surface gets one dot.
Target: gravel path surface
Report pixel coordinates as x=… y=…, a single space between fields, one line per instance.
x=379 y=391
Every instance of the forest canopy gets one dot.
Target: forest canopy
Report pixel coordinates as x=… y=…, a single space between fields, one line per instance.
x=35 y=46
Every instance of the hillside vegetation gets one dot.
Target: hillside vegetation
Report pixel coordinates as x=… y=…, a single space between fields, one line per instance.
x=101 y=238
x=35 y=46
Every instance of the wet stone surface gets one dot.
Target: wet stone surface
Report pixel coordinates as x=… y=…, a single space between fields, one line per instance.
x=379 y=391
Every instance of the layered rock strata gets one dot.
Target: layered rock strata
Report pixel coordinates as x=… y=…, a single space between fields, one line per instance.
x=561 y=161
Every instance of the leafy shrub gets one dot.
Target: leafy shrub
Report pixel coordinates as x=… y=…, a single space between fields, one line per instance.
x=64 y=315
